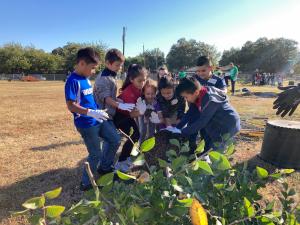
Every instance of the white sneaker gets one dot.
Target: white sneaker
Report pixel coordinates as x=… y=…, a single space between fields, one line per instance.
x=122 y=166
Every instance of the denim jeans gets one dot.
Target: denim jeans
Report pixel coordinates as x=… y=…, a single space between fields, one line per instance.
x=105 y=157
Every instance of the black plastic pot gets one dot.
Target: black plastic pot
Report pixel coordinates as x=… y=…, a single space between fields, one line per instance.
x=281 y=144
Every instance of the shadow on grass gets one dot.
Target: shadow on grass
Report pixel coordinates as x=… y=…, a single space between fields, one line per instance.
x=12 y=196
x=266 y=94
x=51 y=146
x=255 y=161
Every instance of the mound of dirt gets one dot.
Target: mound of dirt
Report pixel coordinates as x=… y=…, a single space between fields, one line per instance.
x=162 y=145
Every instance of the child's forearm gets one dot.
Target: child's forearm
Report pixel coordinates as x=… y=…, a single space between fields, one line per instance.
x=75 y=108
x=109 y=101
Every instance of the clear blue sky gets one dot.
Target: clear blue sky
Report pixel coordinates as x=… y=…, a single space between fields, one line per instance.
x=49 y=24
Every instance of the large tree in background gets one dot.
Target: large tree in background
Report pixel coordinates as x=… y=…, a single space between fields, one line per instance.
x=15 y=58
x=184 y=53
x=69 y=51
x=151 y=59
x=270 y=55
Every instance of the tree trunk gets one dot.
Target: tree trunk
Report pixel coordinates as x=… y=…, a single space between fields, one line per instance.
x=281 y=145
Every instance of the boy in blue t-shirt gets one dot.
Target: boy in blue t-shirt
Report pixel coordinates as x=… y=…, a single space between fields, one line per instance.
x=205 y=76
x=90 y=122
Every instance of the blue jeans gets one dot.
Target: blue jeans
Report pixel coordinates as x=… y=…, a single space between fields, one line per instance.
x=105 y=158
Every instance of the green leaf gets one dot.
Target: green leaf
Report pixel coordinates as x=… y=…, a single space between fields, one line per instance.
x=34 y=203
x=139 y=161
x=261 y=172
x=270 y=205
x=249 y=208
x=178 y=162
x=189 y=180
x=287 y=171
x=200 y=147
x=54 y=211
x=195 y=165
x=223 y=164
x=106 y=179
x=186 y=202
x=230 y=150
x=36 y=220
x=178 y=211
x=171 y=153
x=146 y=214
x=137 y=211
x=20 y=212
x=291 y=192
x=226 y=137
x=219 y=186
x=214 y=156
x=148 y=144
x=130 y=213
x=162 y=163
x=66 y=221
x=174 y=142
x=275 y=175
x=176 y=186
x=125 y=176
x=131 y=131
x=205 y=167
x=184 y=148
x=285 y=186
x=54 y=193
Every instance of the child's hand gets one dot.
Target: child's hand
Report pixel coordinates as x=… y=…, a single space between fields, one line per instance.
x=173 y=130
x=141 y=106
x=154 y=118
x=126 y=106
x=99 y=115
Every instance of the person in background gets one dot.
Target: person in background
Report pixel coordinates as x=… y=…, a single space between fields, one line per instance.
x=162 y=72
x=205 y=76
x=234 y=71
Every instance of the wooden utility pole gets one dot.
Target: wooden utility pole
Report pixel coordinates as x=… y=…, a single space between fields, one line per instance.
x=144 y=55
x=123 y=39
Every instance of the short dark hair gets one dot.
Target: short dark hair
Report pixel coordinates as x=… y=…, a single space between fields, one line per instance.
x=188 y=85
x=88 y=55
x=114 y=55
x=203 y=60
x=165 y=82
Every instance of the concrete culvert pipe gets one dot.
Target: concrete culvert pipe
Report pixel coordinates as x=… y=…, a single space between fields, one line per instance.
x=281 y=144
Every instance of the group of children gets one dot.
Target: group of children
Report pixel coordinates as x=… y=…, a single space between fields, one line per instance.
x=141 y=108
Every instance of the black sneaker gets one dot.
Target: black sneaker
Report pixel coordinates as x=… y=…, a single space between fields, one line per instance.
x=85 y=187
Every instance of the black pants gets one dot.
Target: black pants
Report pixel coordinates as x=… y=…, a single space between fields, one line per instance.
x=232 y=86
x=227 y=80
x=124 y=123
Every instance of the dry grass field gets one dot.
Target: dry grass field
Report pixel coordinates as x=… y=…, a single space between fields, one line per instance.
x=40 y=148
